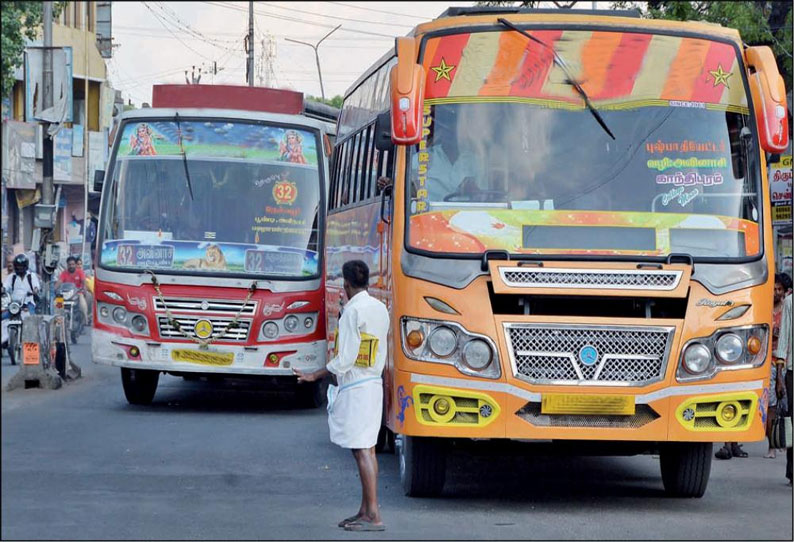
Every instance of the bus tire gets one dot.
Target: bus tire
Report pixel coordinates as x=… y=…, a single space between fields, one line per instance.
x=423 y=463
x=686 y=467
x=312 y=394
x=139 y=385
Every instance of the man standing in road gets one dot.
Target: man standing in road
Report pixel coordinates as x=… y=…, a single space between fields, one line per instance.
x=355 y=407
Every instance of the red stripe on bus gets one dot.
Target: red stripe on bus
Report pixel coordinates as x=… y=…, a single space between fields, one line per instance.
x=720 y=55
x=450 y=50
x=627 y=60
x=534 y=70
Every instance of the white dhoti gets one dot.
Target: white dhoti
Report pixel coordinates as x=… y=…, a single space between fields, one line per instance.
x=355 y=413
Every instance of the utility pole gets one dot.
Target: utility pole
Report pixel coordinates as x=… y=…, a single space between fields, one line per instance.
x=250 y=69
x=317 y=55
x=47 y=165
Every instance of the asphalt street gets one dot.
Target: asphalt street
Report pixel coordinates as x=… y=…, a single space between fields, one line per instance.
x=228 y=461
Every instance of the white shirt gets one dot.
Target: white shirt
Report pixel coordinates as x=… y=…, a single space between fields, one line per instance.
x=362 y=314
x=22 y=286
x=785 y=345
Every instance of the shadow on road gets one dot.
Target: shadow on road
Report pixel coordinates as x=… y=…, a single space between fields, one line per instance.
x=223 y=395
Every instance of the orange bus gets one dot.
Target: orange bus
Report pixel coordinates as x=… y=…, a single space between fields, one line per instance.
x=575 y=246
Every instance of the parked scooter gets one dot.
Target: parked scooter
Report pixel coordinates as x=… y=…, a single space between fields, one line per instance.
x=67 y=295
x=12 y=326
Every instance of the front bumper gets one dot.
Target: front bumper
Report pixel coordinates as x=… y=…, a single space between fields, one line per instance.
x=111 y=349
x=499 y=409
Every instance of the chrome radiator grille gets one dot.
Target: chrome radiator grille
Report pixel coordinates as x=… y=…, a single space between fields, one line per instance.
x=586 y=278
x=230 y=307
x=187 y=324
x=557 y=354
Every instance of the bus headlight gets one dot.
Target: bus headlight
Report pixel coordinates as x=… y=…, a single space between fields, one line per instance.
x=729 y=348
x=270 y=330
x=697 y=358
x=442 y=341
x=104 y=311
x=308 y=322
x=477 y=354
x=291 y=323
x=439 y=341
x=120 y=315
x=138 y=323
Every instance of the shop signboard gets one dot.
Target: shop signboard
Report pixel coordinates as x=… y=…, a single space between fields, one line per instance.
x=780 y=191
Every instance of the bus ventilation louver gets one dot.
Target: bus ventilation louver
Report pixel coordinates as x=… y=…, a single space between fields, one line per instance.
x=531 y=413
x=230 y=307
x=601 y=355
x=592 y=279
x=188 y=323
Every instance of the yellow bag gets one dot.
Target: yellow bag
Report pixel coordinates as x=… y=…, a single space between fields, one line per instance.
x=367 y=350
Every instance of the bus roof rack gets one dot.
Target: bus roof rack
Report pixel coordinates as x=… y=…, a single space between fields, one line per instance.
x=497 y=10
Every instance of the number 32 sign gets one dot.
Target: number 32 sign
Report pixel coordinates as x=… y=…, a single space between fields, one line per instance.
x=285 y=192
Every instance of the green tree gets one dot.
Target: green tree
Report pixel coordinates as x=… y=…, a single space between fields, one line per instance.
x=336 y=101
x=21 y=21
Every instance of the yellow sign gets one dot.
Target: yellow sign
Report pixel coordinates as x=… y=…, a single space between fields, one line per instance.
x=203 y=358
x=781 y=214
x=203 y=329
x=367 y=350
x=564 y=403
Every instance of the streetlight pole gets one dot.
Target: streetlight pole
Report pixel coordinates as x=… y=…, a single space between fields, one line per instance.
x=317 y=55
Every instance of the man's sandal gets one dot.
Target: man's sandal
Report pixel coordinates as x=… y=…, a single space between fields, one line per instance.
x=364 y=525
x=736 y=451
x=723 y=453
x=349 y=520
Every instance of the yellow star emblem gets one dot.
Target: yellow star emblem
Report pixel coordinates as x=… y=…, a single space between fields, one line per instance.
x=442 y=71
x=720 y=76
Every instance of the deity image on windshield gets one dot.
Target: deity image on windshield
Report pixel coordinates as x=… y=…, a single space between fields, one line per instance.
x=291 y=148
x=141 y=141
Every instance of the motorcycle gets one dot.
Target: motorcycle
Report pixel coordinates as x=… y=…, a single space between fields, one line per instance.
x=67 y=295
x=12 y=326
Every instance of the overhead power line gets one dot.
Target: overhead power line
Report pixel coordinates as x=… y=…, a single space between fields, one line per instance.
x=285 y=18
x=381 y=11
x=314 y=13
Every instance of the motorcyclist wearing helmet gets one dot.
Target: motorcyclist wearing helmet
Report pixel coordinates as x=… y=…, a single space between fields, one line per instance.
x=76 y=276
x=23 y=283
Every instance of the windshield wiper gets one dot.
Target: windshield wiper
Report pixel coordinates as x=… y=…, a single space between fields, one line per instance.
x=184 y=156
x=561 y=63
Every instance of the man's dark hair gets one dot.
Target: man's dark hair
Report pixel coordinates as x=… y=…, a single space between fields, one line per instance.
x=71 y=259
x=785 y=280
x=356 y=273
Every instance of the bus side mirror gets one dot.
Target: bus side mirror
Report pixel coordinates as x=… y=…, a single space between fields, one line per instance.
x=383 y=132
x=769 y=99
x=407 y=80
x=99 y=180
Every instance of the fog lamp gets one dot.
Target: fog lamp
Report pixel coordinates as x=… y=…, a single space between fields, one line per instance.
x=441 y=406
x=134 y=352
x=728 y=412
x=104 y=312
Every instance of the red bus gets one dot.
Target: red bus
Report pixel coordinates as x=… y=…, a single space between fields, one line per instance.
x=210 y=240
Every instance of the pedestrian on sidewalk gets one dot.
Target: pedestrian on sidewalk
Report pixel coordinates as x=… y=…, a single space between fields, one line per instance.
x=776 y=392
x=785 y=354
x=355 y=407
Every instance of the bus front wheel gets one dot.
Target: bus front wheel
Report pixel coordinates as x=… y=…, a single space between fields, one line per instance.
x=139 y=385
x=423 y=463
x=686 y=467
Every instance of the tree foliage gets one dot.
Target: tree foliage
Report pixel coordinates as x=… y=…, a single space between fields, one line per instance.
x=21 y=22
x=336 y=101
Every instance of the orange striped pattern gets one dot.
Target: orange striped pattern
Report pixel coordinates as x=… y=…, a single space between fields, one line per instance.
x=612 y=67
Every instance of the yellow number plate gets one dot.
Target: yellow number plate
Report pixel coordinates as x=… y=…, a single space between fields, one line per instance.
x=203 y=358
x=565 y=403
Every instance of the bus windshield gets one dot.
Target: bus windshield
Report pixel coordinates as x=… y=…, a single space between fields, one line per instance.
x=520 y=165
x=215 y=197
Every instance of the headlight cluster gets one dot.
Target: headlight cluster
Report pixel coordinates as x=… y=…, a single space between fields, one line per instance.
x=14 y=307
x=68 y=294
x=725 y=349
x=290 y=325
x=114 y=315
x=450 y=343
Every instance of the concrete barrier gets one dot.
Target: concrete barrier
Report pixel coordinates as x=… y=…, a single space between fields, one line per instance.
x=44 y=341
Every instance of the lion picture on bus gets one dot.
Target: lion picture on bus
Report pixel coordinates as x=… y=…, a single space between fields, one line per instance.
x=213 y=259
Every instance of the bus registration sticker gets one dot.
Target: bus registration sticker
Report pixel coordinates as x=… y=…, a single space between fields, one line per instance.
x=203 y=358
x=567 y=403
